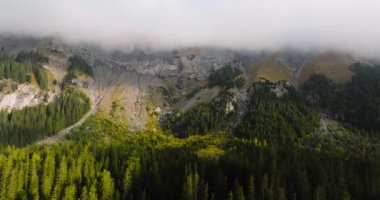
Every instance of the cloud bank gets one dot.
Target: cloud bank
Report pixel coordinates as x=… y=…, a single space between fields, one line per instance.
x=350 y=25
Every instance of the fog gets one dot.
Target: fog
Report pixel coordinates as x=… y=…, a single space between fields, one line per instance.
x=350 y=25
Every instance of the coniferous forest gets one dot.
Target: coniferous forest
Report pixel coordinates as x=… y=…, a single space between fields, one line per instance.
x=276 y=151
x=156 y=165
x=23 y=67
x=78 y=65
x=190 y=100
x=25 y=126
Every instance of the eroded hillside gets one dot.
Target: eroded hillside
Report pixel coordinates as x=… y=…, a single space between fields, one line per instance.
x=138 y=87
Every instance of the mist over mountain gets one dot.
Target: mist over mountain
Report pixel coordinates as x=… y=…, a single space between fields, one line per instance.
x=347 y=25
x=190 y=99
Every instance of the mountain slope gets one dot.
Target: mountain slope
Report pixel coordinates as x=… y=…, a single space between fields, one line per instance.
x=138 y=87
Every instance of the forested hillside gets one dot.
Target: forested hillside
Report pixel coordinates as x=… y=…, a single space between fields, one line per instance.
x=279 y=119
x=262 y=141
x=190 y=100
x=358 y=103
x=26 y=65
x=25 y=126
x=227 y=76
x=200 y=119
x=355 y=103
x=105 y=161
x=77 y=66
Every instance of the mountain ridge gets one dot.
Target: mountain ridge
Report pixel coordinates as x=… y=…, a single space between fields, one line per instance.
x=133 y=78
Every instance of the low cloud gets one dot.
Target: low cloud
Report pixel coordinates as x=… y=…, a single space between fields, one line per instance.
x=349 y=25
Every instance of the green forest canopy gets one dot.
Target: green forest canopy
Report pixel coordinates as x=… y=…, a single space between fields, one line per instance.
x=270 y=160
x=156 y=165
x=356 y=103
x=25 y=65
x=25 y=126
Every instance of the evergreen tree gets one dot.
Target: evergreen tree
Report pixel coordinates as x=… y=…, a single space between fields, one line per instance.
x=238 y=192
x=69 y=193
x=107 y=186
x=251 y=188
x=48 y=175
x=34 y=178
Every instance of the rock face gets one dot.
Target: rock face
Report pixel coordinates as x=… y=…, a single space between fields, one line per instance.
x=280 y=89
x=181 y=67
x=25 y=95
x=129 y=79
x=186 y=66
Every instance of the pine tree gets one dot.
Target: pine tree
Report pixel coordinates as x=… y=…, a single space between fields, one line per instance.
x=191 y=185
x=132 y=170
x=107 y=185
x=60 y=178
x=48 y=175
x=251 y=188
x=12 y=185
x=238 y=192
x=69 y=193
x=92 y=194
x=85 y=194
x=34 y=183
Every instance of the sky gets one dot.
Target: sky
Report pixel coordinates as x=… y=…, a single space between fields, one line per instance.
x=350 y=25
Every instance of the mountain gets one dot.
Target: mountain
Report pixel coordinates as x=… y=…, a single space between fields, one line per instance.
x=138 y=86
x=79 y=121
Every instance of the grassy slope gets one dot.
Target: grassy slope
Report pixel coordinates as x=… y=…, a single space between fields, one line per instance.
x=272 y=70
x=328 y=64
